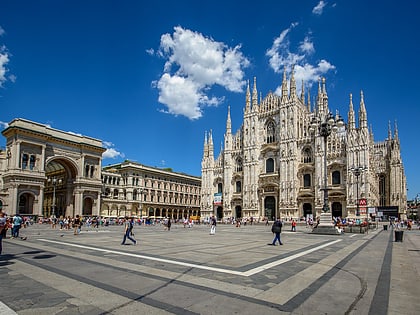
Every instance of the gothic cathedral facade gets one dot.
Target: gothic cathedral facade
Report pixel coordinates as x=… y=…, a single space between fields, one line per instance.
x=273 y=166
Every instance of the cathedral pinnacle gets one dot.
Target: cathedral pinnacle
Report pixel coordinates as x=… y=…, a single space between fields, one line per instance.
x=248 y=99
x=254 y=94
x=351 y=118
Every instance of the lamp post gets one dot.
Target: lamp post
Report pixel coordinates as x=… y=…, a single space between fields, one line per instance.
x=325 y=125
x=54 y=181
x=357 y=171
x=141 y=202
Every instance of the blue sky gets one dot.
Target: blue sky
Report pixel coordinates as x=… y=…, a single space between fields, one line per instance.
x=149 y=78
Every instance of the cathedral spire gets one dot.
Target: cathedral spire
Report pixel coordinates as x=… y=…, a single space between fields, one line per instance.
x=248 y=98
x=309 y=100
x=302 y=93
x=228 y=122
x=389 y=130
x=292 y=93
x=254 y=94
x=284 y=93
x=396 y=131
x=206 y=147
x=350 y=116
x=362 y=112
x=210 y=144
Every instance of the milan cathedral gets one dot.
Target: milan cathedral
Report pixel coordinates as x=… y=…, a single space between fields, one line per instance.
x=273 y=166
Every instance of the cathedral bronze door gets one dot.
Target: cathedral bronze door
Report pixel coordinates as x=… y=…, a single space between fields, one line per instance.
x=337 y=210
x=270 y=207
x=238 y=212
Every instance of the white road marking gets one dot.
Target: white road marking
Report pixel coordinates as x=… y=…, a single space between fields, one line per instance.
x=185 y=264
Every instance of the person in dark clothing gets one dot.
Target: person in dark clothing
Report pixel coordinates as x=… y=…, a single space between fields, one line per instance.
x=276 y=229
x=127 y=226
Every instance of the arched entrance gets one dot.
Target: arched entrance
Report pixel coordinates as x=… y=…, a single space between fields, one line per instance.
x=26 y=203
x=270 y=207
x=60 y=173
x=238 y=212
x=337 y=209
x=307 y=210
x=50 y=172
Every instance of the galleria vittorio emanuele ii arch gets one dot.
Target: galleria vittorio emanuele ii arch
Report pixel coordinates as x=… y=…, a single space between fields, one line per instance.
x=45 y=171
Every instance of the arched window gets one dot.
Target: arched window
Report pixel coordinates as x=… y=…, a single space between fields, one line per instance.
x=238 y=186
x=307 y=155
x=269 y=166
x=307 y=180
x=336 y=178
x=271 y=132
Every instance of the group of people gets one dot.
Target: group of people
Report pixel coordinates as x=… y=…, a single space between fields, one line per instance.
x=14 y=224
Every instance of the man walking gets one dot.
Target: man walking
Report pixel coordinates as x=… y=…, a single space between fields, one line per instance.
x=276 y=229
x=127 y=231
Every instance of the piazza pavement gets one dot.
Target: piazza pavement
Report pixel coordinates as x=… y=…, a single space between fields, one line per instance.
x=189 y=271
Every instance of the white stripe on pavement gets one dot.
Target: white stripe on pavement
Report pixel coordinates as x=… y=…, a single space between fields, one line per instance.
x=185 y=264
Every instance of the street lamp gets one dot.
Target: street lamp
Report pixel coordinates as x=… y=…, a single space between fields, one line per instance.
x=54 y=181
x=325 y=124
x=357 y=171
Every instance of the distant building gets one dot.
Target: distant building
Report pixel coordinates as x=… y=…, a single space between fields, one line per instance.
x=273 y=165
x=45 y=171
x=131 y=188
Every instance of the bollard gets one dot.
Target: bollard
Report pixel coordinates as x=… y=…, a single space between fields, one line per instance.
x=399 y=236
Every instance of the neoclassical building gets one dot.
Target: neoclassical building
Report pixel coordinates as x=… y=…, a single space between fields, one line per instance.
x=131 y=188
x=274 y=164
x=45 y=171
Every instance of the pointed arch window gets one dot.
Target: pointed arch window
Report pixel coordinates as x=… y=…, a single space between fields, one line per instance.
x=307 y=155
x=269 y=166
x=239 y=165
x=270 y=132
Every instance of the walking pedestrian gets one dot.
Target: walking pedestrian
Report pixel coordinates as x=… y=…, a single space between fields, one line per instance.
x=127 y=232
x=76 y=225
x=276 y=229
x=17 y=224
x=169 y=224
x=213 y=226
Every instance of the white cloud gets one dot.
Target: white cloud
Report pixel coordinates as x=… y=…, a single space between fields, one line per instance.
x=4 y=59
x=281 y=57
x=307 y=46
x=2 y=31
x=4 y=125
x=110 y=152
x=195 y=63
x=319 y=8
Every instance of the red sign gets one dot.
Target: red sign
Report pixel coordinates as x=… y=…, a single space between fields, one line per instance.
x=362 y=202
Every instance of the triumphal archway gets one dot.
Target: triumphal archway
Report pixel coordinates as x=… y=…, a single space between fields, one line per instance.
x=48 y=172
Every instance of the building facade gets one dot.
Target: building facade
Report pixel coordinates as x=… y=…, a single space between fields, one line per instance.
x=45 y=172
x=274 y=164
x=133 y=189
